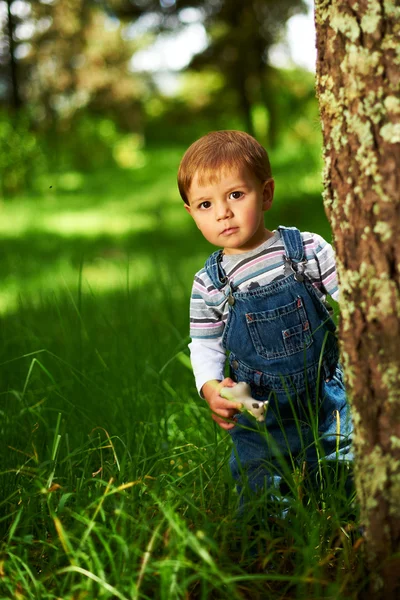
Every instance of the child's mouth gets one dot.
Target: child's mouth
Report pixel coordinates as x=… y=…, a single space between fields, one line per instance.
x=230 y=230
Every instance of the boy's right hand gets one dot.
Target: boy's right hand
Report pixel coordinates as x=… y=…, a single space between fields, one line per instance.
x=222 y=408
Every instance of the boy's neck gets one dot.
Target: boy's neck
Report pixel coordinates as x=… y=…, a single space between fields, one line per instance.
x=267 y=234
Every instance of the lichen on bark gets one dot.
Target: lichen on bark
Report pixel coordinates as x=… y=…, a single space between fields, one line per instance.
x=358 y=79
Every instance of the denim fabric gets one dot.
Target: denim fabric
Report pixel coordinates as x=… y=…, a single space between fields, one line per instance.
x=281 y=341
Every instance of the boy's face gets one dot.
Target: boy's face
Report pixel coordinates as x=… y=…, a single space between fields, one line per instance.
x=230 y=212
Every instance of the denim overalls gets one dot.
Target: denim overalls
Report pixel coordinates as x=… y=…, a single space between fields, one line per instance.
x=282 y=342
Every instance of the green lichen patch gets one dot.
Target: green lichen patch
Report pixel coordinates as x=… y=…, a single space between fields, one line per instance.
x=322 y=10
x=338 y=139
x=365 y=155
x=350 y=380
x=391 y=381
x=366 y=233
x=383 y=291
x=362 y=129
x=345 y=24
x=391 y=133
x=384 y=230
x=371 y=19
x=328 y=103
x=391 y=42
x=326 y=81
x=395 y=442
x=373 y=106
x=376 y=468
x=392 y=9
x=394 y=505
x=379 y=477
x=359 y=60
x=350 y=281
x=392 y=104
x=348 y=203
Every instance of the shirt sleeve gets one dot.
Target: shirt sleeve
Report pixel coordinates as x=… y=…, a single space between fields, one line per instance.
x=208 y=360
x=321 y=265
x=206 y=328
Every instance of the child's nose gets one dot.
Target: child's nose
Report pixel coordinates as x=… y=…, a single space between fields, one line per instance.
x=223 y=211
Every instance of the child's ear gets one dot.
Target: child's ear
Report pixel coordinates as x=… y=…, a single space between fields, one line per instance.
x=268 y=193
x=187 y=208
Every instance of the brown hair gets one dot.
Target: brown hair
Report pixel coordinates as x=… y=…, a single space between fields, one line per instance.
x=219 y=149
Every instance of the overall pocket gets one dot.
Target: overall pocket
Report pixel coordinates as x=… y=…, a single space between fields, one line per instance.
x=281 y=331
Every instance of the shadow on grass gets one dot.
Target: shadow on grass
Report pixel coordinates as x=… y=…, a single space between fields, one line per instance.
x=39 y=255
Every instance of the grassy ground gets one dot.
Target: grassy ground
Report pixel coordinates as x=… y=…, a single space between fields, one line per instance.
x=114 y=479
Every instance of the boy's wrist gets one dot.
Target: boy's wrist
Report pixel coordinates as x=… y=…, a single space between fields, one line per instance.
x=209 y=387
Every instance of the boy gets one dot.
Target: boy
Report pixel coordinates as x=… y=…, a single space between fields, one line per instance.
x=262 y=298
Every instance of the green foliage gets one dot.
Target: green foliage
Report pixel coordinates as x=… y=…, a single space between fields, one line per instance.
x=21 y=155
x=239 y=39
x=204 y=103
x=70 y=56
x=113 y=214
x=74 y=62
x=115 y=480
x=32 y=154
x=94 y=142
x=29 y=157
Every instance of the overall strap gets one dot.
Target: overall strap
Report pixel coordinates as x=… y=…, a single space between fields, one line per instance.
x=215 y=271
x=293 y=243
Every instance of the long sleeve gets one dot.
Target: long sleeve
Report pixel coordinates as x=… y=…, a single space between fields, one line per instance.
x=208 y=360
x=321 y=266
x=207 y=322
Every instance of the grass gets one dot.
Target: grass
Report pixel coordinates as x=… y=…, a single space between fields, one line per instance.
x=115 y=482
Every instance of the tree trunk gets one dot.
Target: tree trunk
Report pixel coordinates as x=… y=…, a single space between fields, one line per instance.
x=245 y=104
x=358 y=76
x=16 y=99
x=269 y=99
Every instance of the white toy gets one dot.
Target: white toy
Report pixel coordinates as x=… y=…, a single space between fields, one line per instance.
x=241 y=392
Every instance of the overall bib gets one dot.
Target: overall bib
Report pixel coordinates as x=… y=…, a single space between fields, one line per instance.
x=281 y=341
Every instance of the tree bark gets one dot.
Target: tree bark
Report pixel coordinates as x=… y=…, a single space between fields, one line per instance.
x=16 y=99
x=244 y=102
x=358 y=76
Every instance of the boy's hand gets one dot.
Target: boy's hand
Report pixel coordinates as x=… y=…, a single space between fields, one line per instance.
x=220 y=406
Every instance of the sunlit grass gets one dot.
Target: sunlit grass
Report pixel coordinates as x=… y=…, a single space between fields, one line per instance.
x=102 y=220
x=93 y=223
x=90 y=234
x=115 y=479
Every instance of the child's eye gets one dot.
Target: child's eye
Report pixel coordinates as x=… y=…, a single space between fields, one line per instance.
x=204 y=205
x=235 y=195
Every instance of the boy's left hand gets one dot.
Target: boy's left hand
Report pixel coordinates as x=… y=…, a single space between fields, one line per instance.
x=221 y=408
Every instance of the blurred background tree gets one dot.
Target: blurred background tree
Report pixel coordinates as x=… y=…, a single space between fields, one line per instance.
x=239 y=38
x=71 y=97
x=62 y=57
x=66 y=86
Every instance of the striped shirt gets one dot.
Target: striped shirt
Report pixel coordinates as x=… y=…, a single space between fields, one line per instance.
x=247 y=271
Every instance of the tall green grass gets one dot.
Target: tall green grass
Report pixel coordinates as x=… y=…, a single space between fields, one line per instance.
x=114 y=478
